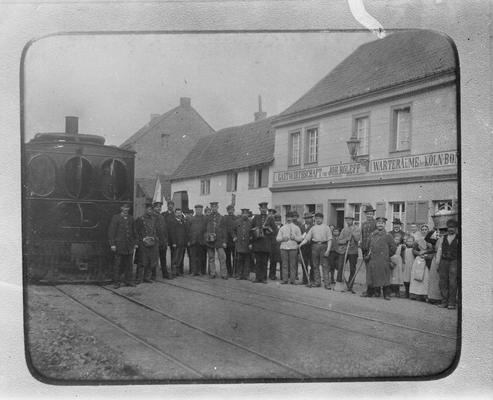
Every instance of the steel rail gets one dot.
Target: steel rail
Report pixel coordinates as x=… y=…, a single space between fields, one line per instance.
x=133 y=336
x=394 y=324
x=205 y=332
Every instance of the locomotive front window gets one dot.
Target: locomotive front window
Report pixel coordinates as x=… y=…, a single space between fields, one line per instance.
x=78 y=177
x=114 y=179
x=42 y=176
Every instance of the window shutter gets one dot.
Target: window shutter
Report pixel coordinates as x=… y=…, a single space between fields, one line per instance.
x=422 y=212
x=411 y=212
x=228 y=182
x=265 y=177
x=380 y=209
x=251 y=178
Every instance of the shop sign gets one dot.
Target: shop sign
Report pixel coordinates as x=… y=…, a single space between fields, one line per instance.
x=327 y=171
x=430 y=160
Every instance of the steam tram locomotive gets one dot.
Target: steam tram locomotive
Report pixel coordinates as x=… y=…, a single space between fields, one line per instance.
x=72 y=184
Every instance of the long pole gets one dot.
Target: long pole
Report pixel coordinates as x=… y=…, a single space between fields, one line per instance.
x=304 y=267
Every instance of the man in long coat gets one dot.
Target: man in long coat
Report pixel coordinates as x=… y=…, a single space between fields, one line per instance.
x=122 y=239
x=198 y=251
x=263 y=228
x=382 y=247
x=243 y=247
x=367 y=228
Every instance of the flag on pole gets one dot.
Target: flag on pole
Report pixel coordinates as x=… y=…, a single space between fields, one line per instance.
x=158 y=196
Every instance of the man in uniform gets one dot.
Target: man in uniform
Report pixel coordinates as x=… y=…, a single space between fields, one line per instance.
x=275 y=251
x=123 y=242
x=367 y=229
x=382 y=247
x=168 y=216
x=147 y=227
x=229 y=224
x=263 y=228
x=243 y=247
x=178 y=240
x=215 y=238
x=306 y=250
x=163 y=240
x=198 y=251
x=349 y=237
x=449 y=266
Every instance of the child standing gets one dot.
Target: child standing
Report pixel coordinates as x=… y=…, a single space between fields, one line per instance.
x=396 y=264
x=409 y=257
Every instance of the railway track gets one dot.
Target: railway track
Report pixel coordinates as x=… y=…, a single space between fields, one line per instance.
x=195 y=372
x=310 y=305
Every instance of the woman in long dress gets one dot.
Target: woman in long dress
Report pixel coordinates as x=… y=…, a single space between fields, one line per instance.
x=418 y=287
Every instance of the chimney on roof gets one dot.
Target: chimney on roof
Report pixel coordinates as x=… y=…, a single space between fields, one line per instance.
x=71 y=125
x=154 y=116
x=185 y=102
x=259 y=115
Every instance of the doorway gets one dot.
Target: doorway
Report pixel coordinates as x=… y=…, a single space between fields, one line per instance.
x=336 y=213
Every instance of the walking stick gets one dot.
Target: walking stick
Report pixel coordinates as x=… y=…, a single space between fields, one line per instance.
x=304 y=267
x=351 y=282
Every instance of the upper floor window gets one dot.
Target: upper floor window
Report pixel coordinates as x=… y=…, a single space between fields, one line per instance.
x=312 y=145
x=401 y=128
x=232 y=182
x=258 y=178
x=362 y=128
x=294 y=145
x=205 y=187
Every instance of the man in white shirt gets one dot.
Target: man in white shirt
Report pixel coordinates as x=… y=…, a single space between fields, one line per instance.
x=289 y=235
x=320 y=237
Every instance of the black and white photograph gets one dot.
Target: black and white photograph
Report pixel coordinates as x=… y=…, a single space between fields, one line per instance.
x=269 y=202
x=209 y=207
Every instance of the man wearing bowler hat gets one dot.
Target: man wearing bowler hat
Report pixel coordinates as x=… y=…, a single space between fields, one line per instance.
x=123 y=241
x=263 y=228
x=382 y=247
x=349 y=238
x=367 y=228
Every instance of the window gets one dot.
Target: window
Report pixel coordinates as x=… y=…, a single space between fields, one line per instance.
x=78 y=177
x=401 y=128
x=258 y=178
x=205 y=187
x=312 y=145
x=443 y=205
x=362 y=127
x=232 y=182
x=357 y=213
x=399 y=211
x=294 y=145
x=114 y=179
x=41 y=176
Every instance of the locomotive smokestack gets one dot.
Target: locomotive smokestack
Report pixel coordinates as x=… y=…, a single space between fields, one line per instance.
x=71 y=125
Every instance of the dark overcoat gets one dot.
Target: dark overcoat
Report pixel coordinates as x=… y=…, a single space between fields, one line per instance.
x=267 y=223
x=121 y=233
x=242 y=233
x=382 y=247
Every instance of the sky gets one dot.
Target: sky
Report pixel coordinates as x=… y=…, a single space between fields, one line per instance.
x=113 y=83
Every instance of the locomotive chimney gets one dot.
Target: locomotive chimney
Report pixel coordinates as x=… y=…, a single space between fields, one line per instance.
x=71 y=125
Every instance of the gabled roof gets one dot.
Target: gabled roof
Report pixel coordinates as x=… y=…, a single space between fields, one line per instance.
x=148 y=127
x=233 y=148
x=398 y=58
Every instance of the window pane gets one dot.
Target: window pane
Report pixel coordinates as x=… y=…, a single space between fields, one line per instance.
x=42 y=176
x=78 y=177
